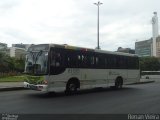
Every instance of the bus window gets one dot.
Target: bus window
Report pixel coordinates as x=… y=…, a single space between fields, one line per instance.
x=92 y=61
x=73 y=59
x=96 y=62
x=101 y=61
x=113 y=61
x=122 y=62
x=84 y=61
x=56 y=61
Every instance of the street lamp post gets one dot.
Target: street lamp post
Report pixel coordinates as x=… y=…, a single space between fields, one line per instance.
x=98 y=4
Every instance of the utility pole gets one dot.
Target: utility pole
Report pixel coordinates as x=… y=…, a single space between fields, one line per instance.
x=98 y=4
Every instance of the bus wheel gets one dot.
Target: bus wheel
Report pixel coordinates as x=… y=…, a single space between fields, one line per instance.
x=71 y=88
x=119 y=83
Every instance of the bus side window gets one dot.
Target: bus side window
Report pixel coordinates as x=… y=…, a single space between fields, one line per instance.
x=53 y=60
x=78 y=60
x=96 y=62
x=56 y=61
x=92 y=61
x=122 y=62
x=84 y=60
x=106 y=62
x=113 y=61
x=101 y=61
x=73 y=59
x=87 y=60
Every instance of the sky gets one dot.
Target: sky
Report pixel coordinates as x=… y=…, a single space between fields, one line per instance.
x=74 y=22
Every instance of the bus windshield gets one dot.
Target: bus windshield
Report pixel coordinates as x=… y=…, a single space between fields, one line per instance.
x=36 y=62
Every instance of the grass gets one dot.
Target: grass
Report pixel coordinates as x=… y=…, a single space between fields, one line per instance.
x=12 y=79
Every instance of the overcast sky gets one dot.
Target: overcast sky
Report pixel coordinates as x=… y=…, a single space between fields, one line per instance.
x=74 y=22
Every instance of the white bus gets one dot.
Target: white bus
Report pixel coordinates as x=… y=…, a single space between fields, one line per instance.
x=153 y=75
x=52 y=67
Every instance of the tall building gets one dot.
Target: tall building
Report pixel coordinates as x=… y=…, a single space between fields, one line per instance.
x=150 y=47
x=24 y=46
x=158 y=46
x=3 y=47
x=144 y=48
x=18 y=53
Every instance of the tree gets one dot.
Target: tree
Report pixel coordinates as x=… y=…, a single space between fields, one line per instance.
x=3 y=62
x=19 y=65
x=8 y=64
x=149 y=64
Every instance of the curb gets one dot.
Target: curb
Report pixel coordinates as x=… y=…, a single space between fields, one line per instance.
x=22 y=88
x=12 y=88
x=145 y=82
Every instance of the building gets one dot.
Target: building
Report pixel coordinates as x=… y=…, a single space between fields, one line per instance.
x=150 y=47
x=18 y=53
x=144 y=48
x=3 y=47
x=126 y=50
x=17 y=50
x=24 y=46
x=158 y=46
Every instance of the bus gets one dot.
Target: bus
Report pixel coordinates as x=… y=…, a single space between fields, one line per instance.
x=53 y=67
x=153 y=75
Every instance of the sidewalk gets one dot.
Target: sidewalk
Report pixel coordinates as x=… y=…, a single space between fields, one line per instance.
x=147 y=80
x=8 y=86
x=143 y=81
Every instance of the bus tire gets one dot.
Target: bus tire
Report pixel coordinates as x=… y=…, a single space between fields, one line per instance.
x=71 y=87
x=119 y=83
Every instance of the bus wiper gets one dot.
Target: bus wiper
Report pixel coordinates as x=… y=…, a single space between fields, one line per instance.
x=34 y=56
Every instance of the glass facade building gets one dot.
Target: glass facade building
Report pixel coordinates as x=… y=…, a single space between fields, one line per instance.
x=144 y=48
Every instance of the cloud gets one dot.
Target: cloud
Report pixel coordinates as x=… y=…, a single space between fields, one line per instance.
x=72 y=22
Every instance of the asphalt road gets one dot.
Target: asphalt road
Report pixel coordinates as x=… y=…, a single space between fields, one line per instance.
x=141 y=98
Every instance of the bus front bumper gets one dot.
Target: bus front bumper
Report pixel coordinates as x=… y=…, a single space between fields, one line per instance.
x=38 y=87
